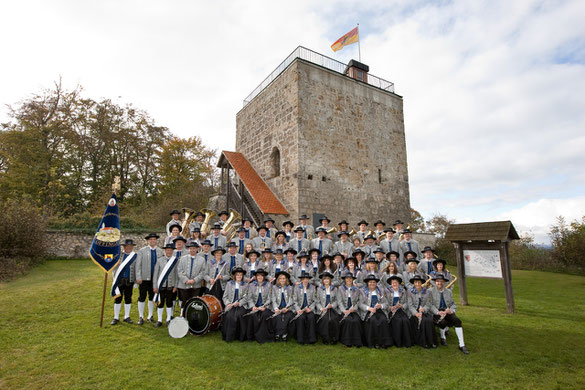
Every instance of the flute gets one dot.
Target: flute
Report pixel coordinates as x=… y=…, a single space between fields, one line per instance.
x=219 y=273
x=275 y=314
x=253 y=312
x=323 y=314
x=232 y=305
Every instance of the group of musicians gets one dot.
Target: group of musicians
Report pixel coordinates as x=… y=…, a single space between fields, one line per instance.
x=373 y=288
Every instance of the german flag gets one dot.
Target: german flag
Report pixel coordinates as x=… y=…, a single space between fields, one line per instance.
x=347 y=39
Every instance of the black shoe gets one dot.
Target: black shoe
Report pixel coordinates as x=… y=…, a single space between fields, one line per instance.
x=140 y=321
x=284 y=336
x=277 y=338
x=434 y=346
x=169 y=322
x=128 y=320
x=447 y=332
x=114 y=322
x=444 y=342
x=464 y=350
x=158 y=324
x=150 y=319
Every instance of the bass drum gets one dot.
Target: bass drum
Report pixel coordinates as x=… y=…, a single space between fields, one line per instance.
x=203 y=314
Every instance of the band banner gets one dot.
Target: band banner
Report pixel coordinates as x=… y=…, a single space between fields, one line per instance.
x=105 y=247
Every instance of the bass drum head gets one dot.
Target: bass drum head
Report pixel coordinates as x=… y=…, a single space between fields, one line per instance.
x=197 y=315
x=178 y=328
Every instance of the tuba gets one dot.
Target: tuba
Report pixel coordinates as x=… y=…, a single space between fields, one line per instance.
x=229 y=226
x=185 y=225
x=205 y=228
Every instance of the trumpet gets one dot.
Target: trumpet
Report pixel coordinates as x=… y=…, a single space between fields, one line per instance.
x=205 y=228
x=185 y=225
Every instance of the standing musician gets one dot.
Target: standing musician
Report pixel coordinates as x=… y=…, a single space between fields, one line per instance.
x=439 y=265
x=411 y=269
x=217 y=273
x=301 y=268
x=370 y=269
x=380 y=258
x=314 y=265
x=343 y=226
x=322 y=243
x=398 y=224
x=372 y=305
x=326 y=306
x=190 y=273
x=175 y=214
x=289 y=262
x=350 y=330
x=205 y=251
x=309 y=230
x=409 y=244
x=369 y=245
x=362 y=233
x=279 y=241
x=395 y=257
x=145 y=264
x=379 y=224
x=175 y=231
x=288 y=226
x=195 y=236
x=247 y=225
x=359 y=255
x=125 y=283
x=241 y=240
x=232 y=326
x=338 y=264
x=277 y=264
x=223 y=216
x=399 y=322
x=196 y=224
x=419 y=310
x=390 y=242
x=304 y=298
x=266 y=260
x=443 y=308
x=391 y=269
x=259 y=302
x=262 y=242
x=299 y=242
x=282 y=302
x=326 y=266
x=168 y=288
x=324 y=221
x=233 y=258
x=351 y=267
x=426 y=264
x=271 y=232
x=217 y=240
x=343 y=246
x=252 y=264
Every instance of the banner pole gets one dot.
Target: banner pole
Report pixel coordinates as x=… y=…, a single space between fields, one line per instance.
x=104 y=299
x=359 y=47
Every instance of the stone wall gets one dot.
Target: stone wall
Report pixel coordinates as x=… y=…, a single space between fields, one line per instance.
x=76 y=245
x=341 y=143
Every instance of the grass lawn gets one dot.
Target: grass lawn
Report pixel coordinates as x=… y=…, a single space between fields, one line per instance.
x=50 y=338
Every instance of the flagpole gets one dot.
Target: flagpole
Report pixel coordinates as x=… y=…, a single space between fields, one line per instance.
x=359 y=48
x=104 y=299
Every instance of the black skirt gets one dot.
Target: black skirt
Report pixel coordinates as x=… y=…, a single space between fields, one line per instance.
x=423 y=334
x=400 y=329
x=232 y=324
x=217 y=292
x=305 y=328
x=350 y=331
x=328 y=326
x=281 y=324
x=258 y=328
x=377 y=331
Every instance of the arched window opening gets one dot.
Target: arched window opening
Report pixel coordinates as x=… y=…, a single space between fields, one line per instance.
x=275 y=162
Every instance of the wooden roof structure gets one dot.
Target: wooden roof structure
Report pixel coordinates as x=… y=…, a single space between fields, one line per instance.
x=482 y=231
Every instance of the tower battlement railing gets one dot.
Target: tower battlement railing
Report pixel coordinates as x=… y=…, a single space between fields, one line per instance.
x=318 y=59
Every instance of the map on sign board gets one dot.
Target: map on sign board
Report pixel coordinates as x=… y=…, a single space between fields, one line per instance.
x=482 y=263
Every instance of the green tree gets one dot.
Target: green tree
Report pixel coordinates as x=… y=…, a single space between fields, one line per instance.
x=568 y=241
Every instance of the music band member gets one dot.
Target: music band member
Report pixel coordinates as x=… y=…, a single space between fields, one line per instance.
x=175 y=231
x=233 y=258
x=426 y=264
x=282 y=302
x=232 y=327
x=303 y=267
x=299 y=242
x=146 y=261
x=372 y=305
x=251 y=265
x=259 y=304
x=443 y=308
x=217 y=240
x=419 y=310
x=175 y=215
x=326 y=306
x=304 y=321
x=168 y=288
x=262 y=241
x=217 y=273
x=309 y=230
x=399 y=321
x=190 y=272
x=350 y=325
x=287 y=227
x=241 y=240
x=125 y=282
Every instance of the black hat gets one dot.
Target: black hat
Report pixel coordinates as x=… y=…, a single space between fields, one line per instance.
x=192 y=244
x=416 y=277
x=369 y=236
x=258 y=254
x=362 y=222
x=152 y=235
x=216 y=226
x=299 y=229
x=394 y=277
x=378 y=222
x=305 y=275
x=269 y=220
x=282 y=273
x=218 y=249
x=238 y=269
x=175 y=211
x=246 y=219
x=290 y=223
x=347 y=274
x=372 y=260
x=324 y=218
x=343 y=221
x=350 y=258
x=410 y=253
x=280 y=233
x=404 y=231
x=169 y=246
x=342 y=233
x=179 y=238
x=440 y=276
x=199 y=214
x=241 y=229
x=371 y=277
x=327 y=256
x=223 y=212
x=313 y=250
x=290 y=250
x=129 y=241
x=427 y=248
x=267 y=250
x=261 y=271
x=206 y=242
x=321 y=229
x=411 y=260
x=196 y=230
x=175 y=225
x=392 y=253
x=437 y=261
x=326 y=274
x=303 y=253
x=336 y=253
x=304 y=216
x=358 y=250
x=262 y=227
x=398 y=222
x=379 y=250
x=278 y=251
x=231 y=244
x=389 y=229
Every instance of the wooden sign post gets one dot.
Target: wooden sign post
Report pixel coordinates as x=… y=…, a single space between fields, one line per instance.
x=482 y=250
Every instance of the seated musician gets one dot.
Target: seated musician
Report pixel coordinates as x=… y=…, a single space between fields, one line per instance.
x=419 y=310
x=282 y=306
x=443 y=308
x=350 y=325
x=304 y=321
x=326 y=307
x=399 y=322
x=259 y=304
x=232 y=324
x=411 y=268
x=251 y=265
x=372 y=305
x=302 y=268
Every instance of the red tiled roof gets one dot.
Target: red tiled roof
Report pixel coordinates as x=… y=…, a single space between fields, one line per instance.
x=265 y=199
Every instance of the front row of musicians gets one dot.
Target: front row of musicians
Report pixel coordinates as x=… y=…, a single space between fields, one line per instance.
x=264 y=302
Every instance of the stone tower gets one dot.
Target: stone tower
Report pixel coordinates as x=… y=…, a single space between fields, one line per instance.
x=328 y=139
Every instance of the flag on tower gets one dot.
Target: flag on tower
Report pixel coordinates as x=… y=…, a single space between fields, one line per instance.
x=347 y=39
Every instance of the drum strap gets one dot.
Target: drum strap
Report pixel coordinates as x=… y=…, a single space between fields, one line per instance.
x=115 y=293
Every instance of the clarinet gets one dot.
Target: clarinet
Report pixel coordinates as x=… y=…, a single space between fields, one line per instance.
x=274 y=315
x=239 y=299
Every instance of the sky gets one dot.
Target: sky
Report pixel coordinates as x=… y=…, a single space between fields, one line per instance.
x=494 y=91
